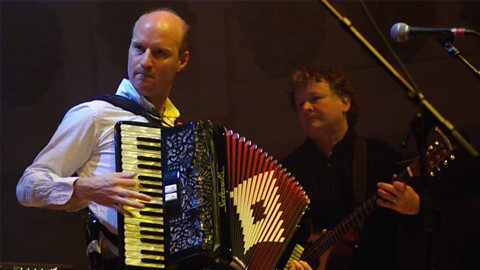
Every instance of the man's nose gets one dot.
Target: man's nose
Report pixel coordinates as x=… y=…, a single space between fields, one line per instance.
x=307 y=106
x=147 y=59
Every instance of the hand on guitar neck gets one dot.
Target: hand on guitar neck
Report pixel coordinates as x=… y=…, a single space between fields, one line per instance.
x=398 y=196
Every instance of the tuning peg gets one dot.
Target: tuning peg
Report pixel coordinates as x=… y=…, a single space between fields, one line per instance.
x=452 y=157
x=432 y=174
x=445 y=162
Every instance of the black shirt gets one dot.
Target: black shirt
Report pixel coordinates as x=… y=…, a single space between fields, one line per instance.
x=329 y=185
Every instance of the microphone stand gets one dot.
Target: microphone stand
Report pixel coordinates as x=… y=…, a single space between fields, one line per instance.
x=451 y=49
x=412 y=93
x=419 y=126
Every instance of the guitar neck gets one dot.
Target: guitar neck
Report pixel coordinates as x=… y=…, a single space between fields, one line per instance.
x=332 y=236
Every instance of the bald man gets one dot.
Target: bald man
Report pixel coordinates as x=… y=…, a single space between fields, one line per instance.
x=76 y=169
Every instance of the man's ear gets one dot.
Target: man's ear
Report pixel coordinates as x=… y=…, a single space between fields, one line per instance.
x=183 y=60
x=346 y=103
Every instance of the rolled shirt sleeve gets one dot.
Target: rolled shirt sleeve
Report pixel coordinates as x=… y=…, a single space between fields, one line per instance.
x=48 y=182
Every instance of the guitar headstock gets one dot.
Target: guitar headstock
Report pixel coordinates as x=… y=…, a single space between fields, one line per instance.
x=437 y=155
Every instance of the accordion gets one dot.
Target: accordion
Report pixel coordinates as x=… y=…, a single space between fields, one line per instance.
x=217 y=199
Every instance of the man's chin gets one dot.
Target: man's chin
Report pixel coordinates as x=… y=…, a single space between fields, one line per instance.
x=143 y=88
x=313 y=125
x=314 y=128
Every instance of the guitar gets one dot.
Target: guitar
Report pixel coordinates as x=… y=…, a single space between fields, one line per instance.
x=326 y=241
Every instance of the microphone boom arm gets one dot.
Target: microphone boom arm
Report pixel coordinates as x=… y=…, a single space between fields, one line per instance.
x=413 y=93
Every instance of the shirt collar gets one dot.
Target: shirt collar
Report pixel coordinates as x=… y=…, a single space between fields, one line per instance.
x=170 y=114
x=345 y=144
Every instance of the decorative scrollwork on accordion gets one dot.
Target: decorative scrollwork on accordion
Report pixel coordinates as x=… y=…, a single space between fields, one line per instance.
x=189 y=157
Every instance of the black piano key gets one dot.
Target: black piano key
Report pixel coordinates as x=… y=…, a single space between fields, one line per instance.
x=150 y=167
x=146 y=139
x=152 y=252
x=145 y=260
x=153 y=205
x=144 y=158
x=149 y=147
x=151 y=225
x=159 y=187
x=144 y=232
x=149 y=178
x=152 y=241
x=150 y=213
x=152 y=194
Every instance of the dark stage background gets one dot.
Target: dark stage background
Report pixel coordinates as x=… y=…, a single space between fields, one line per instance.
x=55 y=54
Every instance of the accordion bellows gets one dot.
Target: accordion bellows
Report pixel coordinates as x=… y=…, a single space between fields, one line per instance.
x=218 y=199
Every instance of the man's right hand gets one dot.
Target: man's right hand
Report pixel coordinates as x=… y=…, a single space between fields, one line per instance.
x=111 y=190
x=299 y=265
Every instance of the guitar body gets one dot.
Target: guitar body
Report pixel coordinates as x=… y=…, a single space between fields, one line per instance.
x=337 y=257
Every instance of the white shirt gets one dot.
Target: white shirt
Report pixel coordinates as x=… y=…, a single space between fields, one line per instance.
x=83 y=144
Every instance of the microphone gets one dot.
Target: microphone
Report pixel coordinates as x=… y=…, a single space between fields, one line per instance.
x=401 y=32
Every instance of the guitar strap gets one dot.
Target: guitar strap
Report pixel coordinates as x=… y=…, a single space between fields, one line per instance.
x=359 y=170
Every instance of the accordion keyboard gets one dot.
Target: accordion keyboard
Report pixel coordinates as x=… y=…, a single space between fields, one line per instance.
x=143 y=234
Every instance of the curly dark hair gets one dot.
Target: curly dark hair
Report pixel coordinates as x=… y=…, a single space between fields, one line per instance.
x=337 y=80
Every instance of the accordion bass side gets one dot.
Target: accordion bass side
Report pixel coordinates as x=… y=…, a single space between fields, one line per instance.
x=217 y=199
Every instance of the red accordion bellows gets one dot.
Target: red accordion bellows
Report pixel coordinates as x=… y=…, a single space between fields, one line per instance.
x=266 y=204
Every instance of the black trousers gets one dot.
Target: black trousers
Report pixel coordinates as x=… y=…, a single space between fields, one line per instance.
x=111 y=264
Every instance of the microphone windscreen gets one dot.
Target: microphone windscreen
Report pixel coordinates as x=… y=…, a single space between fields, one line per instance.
x=399 y=32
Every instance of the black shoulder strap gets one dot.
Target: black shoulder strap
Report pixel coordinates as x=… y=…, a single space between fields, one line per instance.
x=359 y=172
x=131 y=106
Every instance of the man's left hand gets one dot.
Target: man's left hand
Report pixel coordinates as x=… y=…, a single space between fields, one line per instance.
x=399 y=197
